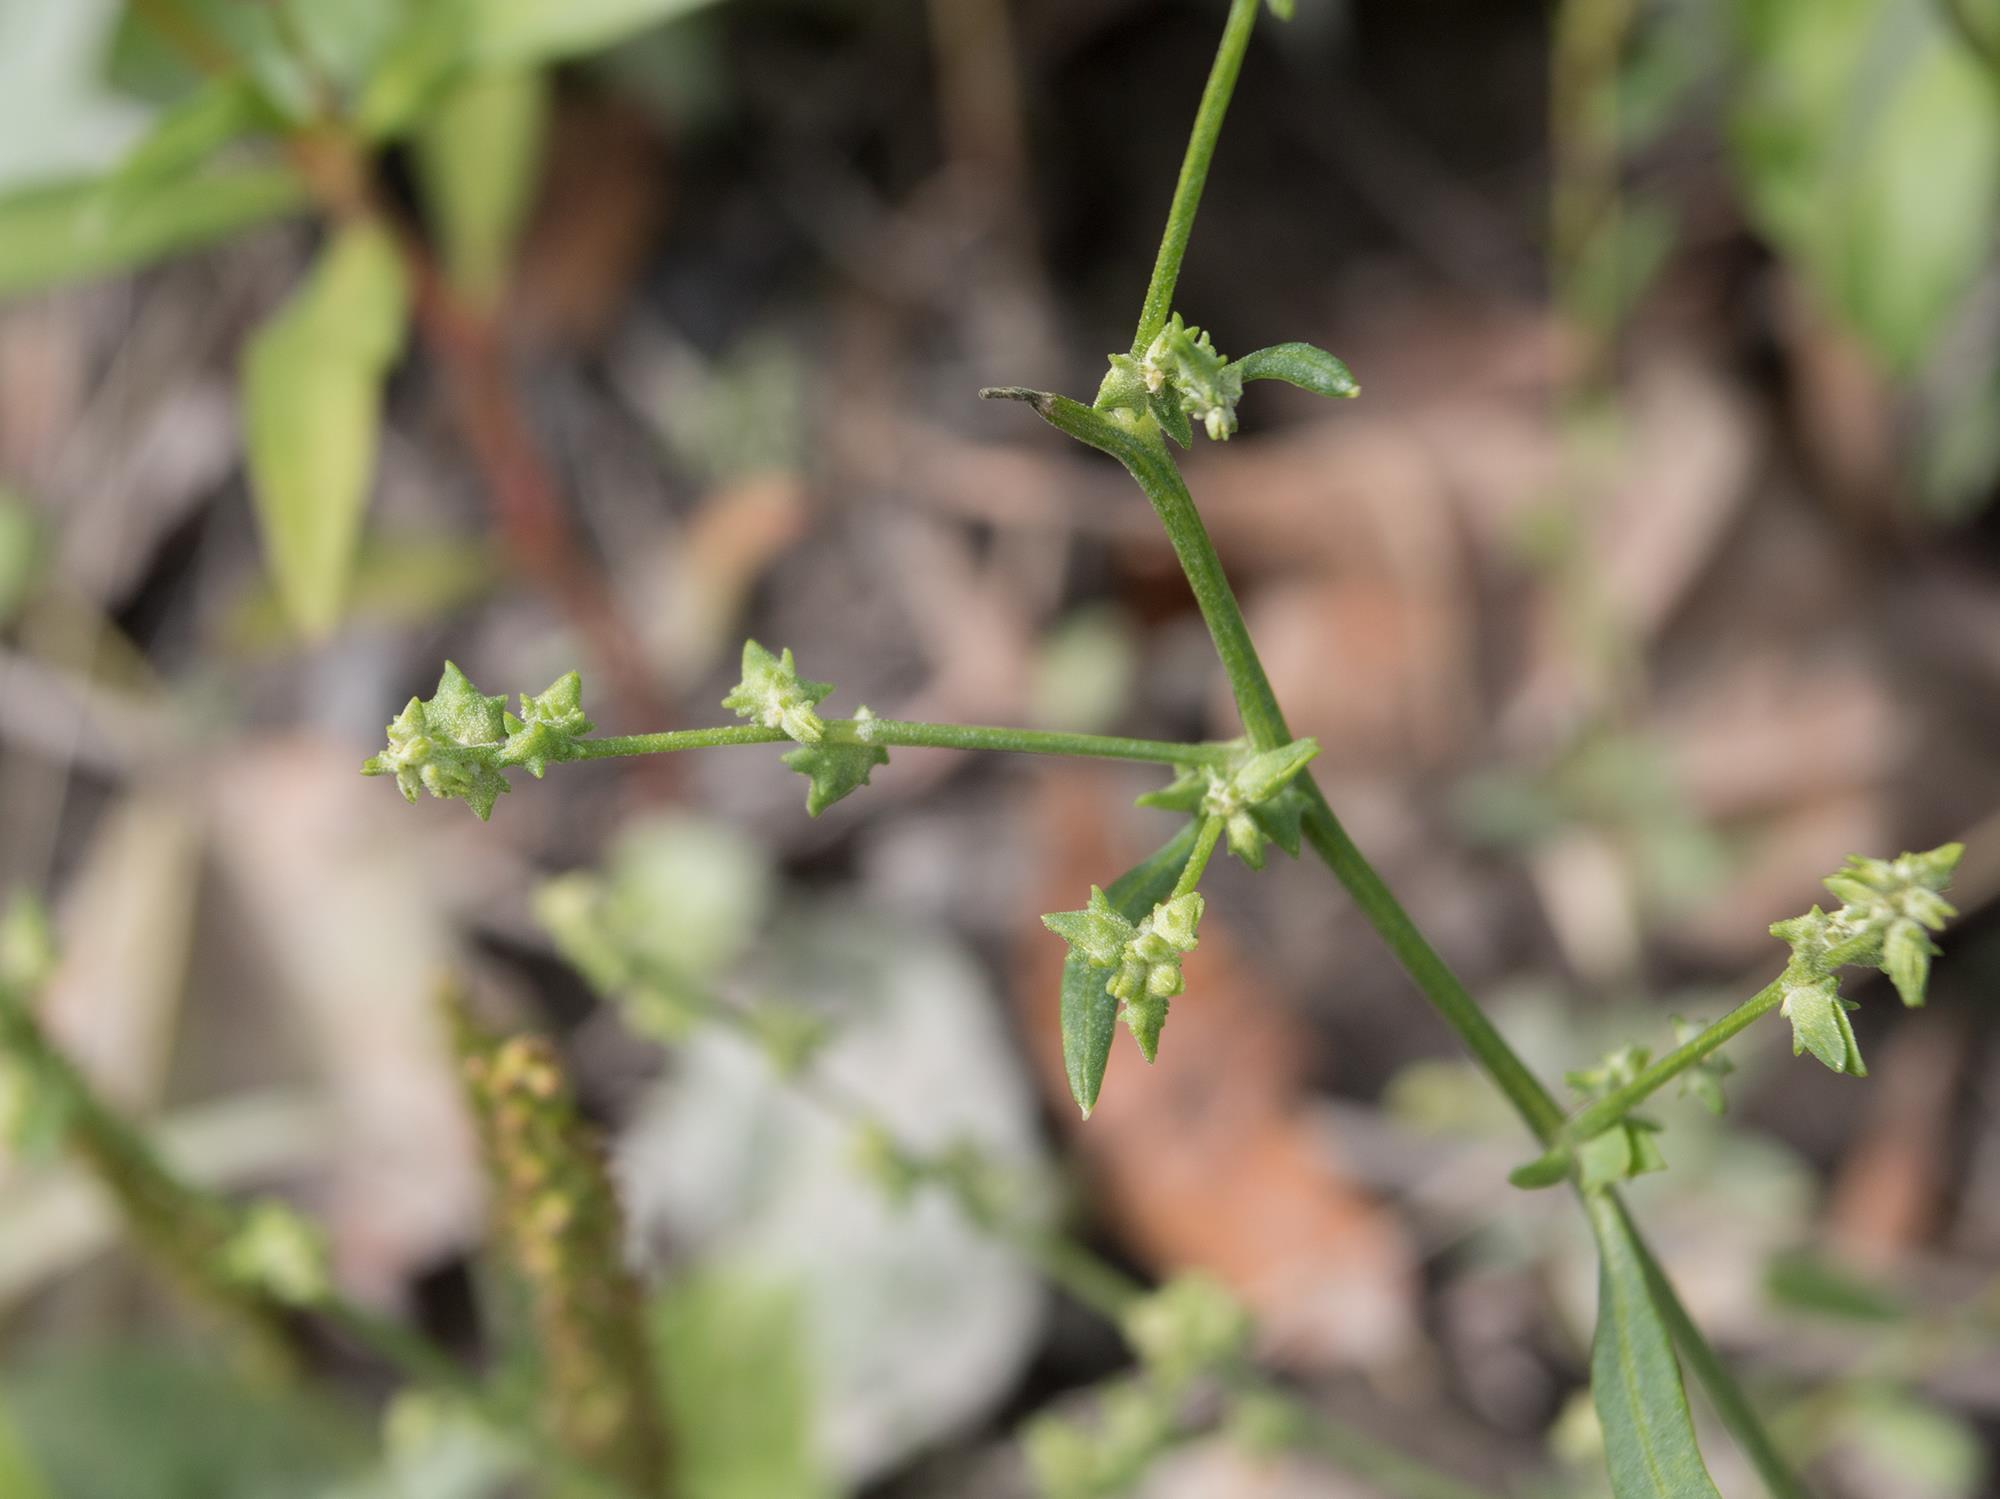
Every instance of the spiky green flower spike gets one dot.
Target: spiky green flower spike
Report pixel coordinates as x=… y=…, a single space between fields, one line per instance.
x=549 y=726
x=1889 y=908
x=446 y=745
x=774 y=695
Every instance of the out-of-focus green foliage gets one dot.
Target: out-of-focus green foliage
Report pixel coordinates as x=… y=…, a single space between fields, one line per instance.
x=130 y=1424
x=479 y=151
x=312 y=391
x=738 y=1389
x=1868 y=138
x=71 y=231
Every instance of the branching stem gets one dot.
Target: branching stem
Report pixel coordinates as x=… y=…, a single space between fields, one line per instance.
x=897 y=733
x=1204 y=845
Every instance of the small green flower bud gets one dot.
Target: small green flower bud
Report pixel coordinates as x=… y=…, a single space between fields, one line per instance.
x=773 y=694
x=549 y=726
x=277 y=1252
x=1097 y=933
x=447 y=745
x=1702 y=1081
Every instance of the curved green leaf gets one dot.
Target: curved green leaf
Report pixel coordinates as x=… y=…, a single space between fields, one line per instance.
x=72 y=231
x=1649 y=1443
x=312 y=391
x=1089 y=1012
x=1302 y=365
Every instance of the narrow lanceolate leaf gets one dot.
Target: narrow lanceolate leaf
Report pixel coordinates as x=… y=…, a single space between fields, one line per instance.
x=1089 y=1010
x=312 y=390
x=72 y=231
x=1302 y=365
x=479 y=158
x=1649 y=1443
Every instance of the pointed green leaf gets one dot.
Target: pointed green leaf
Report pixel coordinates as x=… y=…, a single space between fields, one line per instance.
x=1906 y=958
x=1089 y=1014
x=1282 y=9
x=1301 y=365
x=72 y=231
x=834 y=770
x=312 y=391
x=1544 y=1171
x=1649 y=1442
x=478 y=152
x=1820 y=1025
x=187 y=135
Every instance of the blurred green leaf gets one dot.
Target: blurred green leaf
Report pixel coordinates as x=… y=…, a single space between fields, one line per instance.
x=738 y=1389
x=423 y=55
x=72 y=231
x=187 y=135
x=131 y=1424
x=149 y=61
x=1649 y=1443
x=1803 y=1281
x=1868 y=141
x=21 y=551
x=19 y=1478
x=396 y=581
x=479 y=157
x=513 y=32
x=1930 y=1450
x=312 y=388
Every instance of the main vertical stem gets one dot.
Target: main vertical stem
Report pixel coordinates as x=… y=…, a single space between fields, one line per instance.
x=1194 y=170
x=1263 y=720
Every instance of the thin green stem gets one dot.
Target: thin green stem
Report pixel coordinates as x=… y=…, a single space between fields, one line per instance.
x=898 y=733
x=1431 y=974
x=1615 y=1105
x=1194 y=170
x=1147 y=460
x=1204 y=845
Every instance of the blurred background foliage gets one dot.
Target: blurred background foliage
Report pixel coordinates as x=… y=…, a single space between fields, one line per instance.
x=1655 y=571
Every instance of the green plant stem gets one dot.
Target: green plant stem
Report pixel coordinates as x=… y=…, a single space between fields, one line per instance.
x=1152 y=467
x=1204 y=845
x=898 y=733
x=1615 y=1105
x=1146 y=459
x=1431 y=974
x=1194 y=170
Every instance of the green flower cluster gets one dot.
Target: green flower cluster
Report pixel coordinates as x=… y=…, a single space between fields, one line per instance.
x=1889 y=909
x=1145 y=958
x=459 y=741
x=1257 y=798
